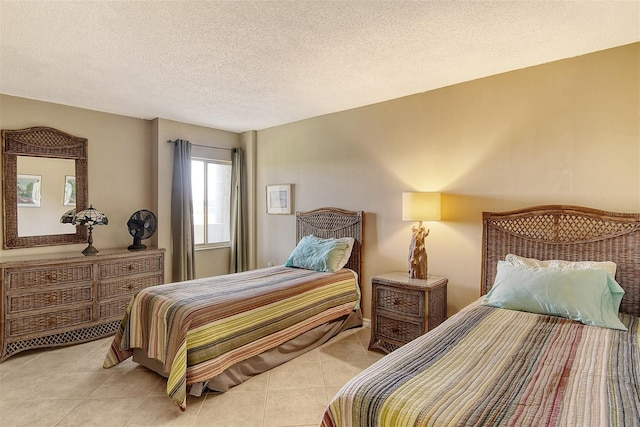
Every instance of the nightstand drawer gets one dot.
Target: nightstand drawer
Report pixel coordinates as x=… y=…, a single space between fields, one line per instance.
x=401 y=301
x=398 y=330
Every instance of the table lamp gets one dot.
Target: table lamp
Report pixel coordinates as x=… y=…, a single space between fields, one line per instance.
x=417 y=206
x=90 y=217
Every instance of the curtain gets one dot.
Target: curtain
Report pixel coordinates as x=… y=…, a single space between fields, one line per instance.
x=183 y=247
x=239 y=259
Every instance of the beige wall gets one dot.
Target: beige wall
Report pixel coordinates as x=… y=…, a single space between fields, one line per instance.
x=130 y=168
x=119 y=166
x=566 y=132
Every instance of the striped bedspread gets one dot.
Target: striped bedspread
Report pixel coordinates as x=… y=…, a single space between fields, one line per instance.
x=495 y=367
x=199 y=328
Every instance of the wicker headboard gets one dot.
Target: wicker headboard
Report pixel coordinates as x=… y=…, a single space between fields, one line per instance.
x=571 y=233
x=335 y=223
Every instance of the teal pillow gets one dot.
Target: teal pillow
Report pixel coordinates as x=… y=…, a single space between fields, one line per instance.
x=590 y=296
x=315 y=253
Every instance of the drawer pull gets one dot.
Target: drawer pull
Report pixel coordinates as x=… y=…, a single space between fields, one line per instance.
x=53 y=298
x=52 y=277
x=397 y=301
x=395 y=330
x=133 y=267
x=53 y=321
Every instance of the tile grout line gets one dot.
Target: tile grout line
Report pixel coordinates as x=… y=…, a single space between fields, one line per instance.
x=266 y=399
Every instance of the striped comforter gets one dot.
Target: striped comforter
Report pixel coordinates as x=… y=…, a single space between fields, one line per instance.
x=199 y=328
x=496 y=367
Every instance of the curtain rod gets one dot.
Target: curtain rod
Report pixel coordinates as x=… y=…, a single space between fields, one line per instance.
x=205 y=146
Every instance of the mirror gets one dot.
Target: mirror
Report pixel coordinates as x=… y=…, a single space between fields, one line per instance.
x=45 y=175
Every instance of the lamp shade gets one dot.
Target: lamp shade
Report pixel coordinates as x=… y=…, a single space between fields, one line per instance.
x=90 y=216
x=417 y=206
x=67 y=217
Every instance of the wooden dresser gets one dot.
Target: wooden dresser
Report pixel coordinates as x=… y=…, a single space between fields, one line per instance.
x=70 y=298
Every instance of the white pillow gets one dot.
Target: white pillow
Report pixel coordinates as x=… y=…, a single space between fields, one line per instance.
x=608 y=266
x=347 y=253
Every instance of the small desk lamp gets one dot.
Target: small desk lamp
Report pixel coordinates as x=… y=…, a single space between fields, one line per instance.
x=420 y=207
x=90 y=217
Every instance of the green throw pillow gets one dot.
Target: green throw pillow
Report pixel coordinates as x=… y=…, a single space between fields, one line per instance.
x=315 y=253
x=590 y=296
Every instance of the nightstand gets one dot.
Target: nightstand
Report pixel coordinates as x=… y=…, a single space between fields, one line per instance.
x=402 y=309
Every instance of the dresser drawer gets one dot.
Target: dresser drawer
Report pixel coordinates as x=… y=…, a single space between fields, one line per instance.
x=126 y=286
x=401 y=301
x=114 y=308
x=49 y=322
x=50 y=298
x=397 y=329
x=127 y=267
x=60 y=275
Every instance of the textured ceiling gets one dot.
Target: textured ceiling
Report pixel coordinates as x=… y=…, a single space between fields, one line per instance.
x=250 y=65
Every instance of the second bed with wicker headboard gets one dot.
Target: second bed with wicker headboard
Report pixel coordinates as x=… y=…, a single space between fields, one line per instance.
x=569 y=233
x=500 y=367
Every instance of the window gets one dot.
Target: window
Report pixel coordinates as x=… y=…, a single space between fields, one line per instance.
x=211 y=191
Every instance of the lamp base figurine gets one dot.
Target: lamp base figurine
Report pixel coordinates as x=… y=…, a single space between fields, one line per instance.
x=418 y=267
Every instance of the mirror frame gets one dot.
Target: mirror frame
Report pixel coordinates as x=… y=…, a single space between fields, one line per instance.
x=40 y=142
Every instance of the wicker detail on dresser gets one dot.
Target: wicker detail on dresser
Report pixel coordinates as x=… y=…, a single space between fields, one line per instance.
x=70 y=299
x=49 y=298
x=48 y=276
x=126 y=286
x=37 y=323
x=74 y=336
x=129 y=266
x=113 y=308
x=402 y=309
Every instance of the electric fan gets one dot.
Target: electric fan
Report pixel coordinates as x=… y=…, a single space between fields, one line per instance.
x=142 y=225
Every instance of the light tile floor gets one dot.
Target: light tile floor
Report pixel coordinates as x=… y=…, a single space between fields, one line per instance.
x=68 y=387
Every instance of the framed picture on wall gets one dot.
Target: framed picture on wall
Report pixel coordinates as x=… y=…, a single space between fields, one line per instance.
x=69 y=190
x=279 y=200
x=29 y=191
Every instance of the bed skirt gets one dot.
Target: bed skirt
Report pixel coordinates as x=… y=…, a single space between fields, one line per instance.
x=242 y=371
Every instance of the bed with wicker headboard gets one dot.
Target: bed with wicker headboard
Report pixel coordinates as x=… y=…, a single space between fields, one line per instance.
x=217 y=332
x=570 y=233
x=502 y=366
